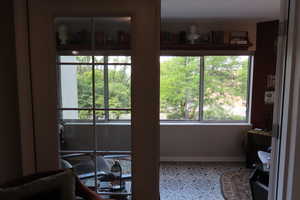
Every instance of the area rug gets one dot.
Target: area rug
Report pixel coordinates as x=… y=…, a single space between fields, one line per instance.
x=235 y=185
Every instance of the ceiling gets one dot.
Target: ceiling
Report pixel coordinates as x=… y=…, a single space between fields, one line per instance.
x=220 y=9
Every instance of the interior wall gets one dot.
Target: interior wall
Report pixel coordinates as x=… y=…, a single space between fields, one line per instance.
x=10 y=152
x=209 y=142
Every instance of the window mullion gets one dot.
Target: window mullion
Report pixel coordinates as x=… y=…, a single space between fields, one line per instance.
x=201 y=88
x=94 y=103
x=249 y=83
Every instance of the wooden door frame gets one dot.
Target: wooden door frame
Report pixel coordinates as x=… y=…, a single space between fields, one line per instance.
x=285 y=171
x=145 y=140
x=24 y=87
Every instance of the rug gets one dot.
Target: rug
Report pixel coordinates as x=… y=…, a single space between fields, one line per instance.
x=235 y=185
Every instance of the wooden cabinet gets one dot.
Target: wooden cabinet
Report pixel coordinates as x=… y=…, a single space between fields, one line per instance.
x=256 y=141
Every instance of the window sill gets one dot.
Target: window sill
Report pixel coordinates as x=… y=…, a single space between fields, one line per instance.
x=177 y=123
x=205 y=124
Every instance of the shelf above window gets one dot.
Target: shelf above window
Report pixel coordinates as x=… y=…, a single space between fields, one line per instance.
x=204 y=47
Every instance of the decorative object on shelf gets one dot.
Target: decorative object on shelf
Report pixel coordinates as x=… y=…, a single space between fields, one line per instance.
x=204 y=38
x=118 y=183
x=226 y=37
x=100 y=38
x=123 y=37
x=109 y=40
x=217 y=37
x=169 y=38
x=193 y=35
x=83 y=36
x=239 y=38
x=63 y=34
x=182 y=37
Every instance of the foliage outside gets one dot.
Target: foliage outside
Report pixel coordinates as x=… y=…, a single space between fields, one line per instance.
x=224 y=97
x=225 y=88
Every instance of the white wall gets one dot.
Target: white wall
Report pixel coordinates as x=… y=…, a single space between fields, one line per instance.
x=68 y=84
x=177 y=142
x=202 y=142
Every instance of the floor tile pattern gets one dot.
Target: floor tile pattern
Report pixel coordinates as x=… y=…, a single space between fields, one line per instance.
x=193 y=181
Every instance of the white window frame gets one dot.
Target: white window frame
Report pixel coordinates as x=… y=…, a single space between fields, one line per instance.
x=106 y=107
x=201 y=89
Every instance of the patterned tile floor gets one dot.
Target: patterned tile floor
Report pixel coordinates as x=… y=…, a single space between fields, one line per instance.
x=193 y=181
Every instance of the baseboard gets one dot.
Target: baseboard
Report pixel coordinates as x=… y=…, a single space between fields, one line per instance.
x=201 y=159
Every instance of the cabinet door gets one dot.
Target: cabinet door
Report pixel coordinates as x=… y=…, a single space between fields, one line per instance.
x=90 y=28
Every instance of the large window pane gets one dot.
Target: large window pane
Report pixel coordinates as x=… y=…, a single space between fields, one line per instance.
x=225 y=87
x=119 y=80
x=179 y=88
x=75 y=59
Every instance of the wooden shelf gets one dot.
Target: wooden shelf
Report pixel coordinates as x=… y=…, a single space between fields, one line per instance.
x=74 y=47
x=204 y=47
x=166 y=49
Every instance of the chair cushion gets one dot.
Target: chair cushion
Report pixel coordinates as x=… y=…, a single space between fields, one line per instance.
x=54 y=185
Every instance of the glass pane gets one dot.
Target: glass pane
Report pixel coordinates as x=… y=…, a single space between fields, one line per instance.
x=120 y=115
x=119 y=82
x=100 y=115
x=76 y=115
x=99 y=59
x=225 y=87
x=76 y=86
x=76 y=137
x=99 y=86
x=75 y=59
x=179 y=88
x=73 y=33
x=112 y=33
x=113 y=137
x=119 y=59
x=87 y=78
x=83 y=165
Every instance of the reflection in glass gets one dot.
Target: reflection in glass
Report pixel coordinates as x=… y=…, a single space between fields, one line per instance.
x=99 y=86
x=94 y=92
x=119 y=82
x=119 y=59
x=75 y=59
x=120 y=115
x=73 y=33
x=76 y=86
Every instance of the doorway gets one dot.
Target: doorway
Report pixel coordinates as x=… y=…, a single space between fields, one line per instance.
x=80 y=60
x=215 y=127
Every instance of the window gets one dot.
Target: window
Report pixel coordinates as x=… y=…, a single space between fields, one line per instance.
x=107 y=78
x=192 y=88
x=204 y=88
